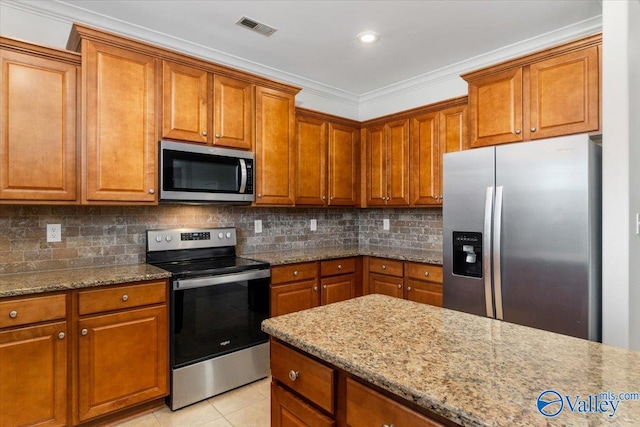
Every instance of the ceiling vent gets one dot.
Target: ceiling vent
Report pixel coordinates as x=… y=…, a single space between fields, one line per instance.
x=256 y=26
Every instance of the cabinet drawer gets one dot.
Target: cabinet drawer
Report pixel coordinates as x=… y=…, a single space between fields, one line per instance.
x=32 y=310
x=428 y=272
x=366 y=407
x=304 y=375
x=337 y=266
x=385 y=266
x=121 y=297
x=292 y=272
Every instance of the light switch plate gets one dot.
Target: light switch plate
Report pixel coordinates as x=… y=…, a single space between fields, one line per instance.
x=385 y=224
x=258 y=226
x=313 y=224
x=54 y=233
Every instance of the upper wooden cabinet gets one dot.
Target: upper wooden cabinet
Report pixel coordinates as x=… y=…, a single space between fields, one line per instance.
x=432 y=135
x=327 y=154
x=37 y=123
x=275 y=138
x=119 y=142
x=387 y=163
x=549 y=93
x=201 y=107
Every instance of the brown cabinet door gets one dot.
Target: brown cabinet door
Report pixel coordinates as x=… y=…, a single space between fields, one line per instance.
x=37 y=128
x=338 y=288
x=275 y=136
x=424 y=292
x=564 y=94
x=425 y=160
x=376 y=158
x=397 y=146
x=386 y=285
x=232 y=113
x=453 y=137
x=294 y=297
x=367 y=407
x=343 y=165
x=288 y=410
x=120 y=143
x=495 y=108
x=122 y=360
x=33 y=376
x=311 y=161
x=185 y=113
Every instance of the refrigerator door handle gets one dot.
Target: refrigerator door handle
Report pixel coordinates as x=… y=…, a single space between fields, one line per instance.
x=497 y=228
x=486 y=254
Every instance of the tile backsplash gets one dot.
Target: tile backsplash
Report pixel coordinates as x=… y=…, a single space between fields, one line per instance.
x=106 y=235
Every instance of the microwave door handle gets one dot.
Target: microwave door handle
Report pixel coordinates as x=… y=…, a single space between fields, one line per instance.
x=243 y=176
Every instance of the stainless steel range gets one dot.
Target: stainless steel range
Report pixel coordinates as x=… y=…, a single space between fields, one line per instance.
x=218 y=301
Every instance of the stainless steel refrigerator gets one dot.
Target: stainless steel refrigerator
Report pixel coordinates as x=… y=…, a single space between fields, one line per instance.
x=522 y=234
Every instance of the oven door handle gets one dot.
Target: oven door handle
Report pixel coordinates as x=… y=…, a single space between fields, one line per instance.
x=202 y=282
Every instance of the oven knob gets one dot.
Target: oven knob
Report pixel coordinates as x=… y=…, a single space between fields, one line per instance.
x=228 y=235
x=158 y=239
x=220 y=235
x=168 y=238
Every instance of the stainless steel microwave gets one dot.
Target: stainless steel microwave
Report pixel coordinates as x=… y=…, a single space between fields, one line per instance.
x=201 y=174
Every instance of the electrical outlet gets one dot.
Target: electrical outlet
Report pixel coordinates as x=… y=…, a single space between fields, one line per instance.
x=385 y=224
x=54 y=233
x=258 y=226
x=314 y=224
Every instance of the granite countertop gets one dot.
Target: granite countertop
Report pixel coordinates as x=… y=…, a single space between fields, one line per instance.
x=472 y=370
x=73 y=278
x=315 y=254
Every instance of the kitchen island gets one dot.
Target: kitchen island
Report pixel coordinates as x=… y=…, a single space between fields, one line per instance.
x=469 y=370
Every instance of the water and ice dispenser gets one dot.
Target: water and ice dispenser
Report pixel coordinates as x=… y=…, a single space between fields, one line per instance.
x=467 y=253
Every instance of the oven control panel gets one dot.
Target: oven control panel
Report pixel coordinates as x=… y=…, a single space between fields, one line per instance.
x=175 y=239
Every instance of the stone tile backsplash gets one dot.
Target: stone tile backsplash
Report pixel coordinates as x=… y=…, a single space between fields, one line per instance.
x=105 y=235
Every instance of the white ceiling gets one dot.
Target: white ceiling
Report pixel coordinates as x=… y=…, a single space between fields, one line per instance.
x=315 y=44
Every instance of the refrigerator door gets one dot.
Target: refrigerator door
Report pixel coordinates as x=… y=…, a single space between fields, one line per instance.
x=467 y=207
x=544 y=234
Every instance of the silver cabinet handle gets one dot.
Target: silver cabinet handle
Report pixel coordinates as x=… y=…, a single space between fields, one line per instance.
x=315 y=288
x=384 y=267
x=295 y=273
x=324 y=286
x=426 y=273
x=517 y=131
x=259 y=194
x=339 y=266
x=399 y=286
x=61 y=335
x=533 y=129
x=84 y=332
x=293 y=375
x=218 y=135
x=125 y=297
x=409 y=288
x=152 y=191
x=204 y=133
x=331 y=198
x=324 y=198
x=388 y=425
x=13 y=314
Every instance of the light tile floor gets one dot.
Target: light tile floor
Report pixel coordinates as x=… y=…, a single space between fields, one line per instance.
x=247 y=406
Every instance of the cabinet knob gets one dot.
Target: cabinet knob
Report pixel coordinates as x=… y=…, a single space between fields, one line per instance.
x=295 y=273
x=426 y=273
x=324 y=286
x=152 y=191
x=331 y=198
x=339 y=266
x=384 y=267
x=409 y=288
x=204 y=133
x=125 y=297
x=533 y=129
x=293 y=375
x=218 y=135
x=517 y=131
x=84 y=332
x=324 y=198
x=259 y=194
x=388 y=425
x=61 y=335
x=399 y=286
x=13 y=314
x=315 y=288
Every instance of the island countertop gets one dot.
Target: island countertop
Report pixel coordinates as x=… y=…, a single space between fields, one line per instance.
x=472 y=370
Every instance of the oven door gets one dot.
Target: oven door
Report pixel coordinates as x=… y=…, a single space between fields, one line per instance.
x=205 y=174
x=217 y=315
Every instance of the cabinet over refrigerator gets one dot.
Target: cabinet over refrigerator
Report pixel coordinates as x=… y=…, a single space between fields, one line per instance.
x=522 y=234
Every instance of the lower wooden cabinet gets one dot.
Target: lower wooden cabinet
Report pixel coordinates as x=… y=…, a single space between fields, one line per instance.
x=287 y=410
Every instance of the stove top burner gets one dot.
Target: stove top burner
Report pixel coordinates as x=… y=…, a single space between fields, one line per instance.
x=211 y=266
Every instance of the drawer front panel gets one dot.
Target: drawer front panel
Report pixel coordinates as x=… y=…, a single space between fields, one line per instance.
x=428 y=272
x=385 y=266
x=122 y=297
x=22 y=311
x=293 y=272
x=337 y=266
x=304 y=375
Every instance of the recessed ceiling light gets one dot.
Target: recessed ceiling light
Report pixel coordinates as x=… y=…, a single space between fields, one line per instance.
x=368 y=37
